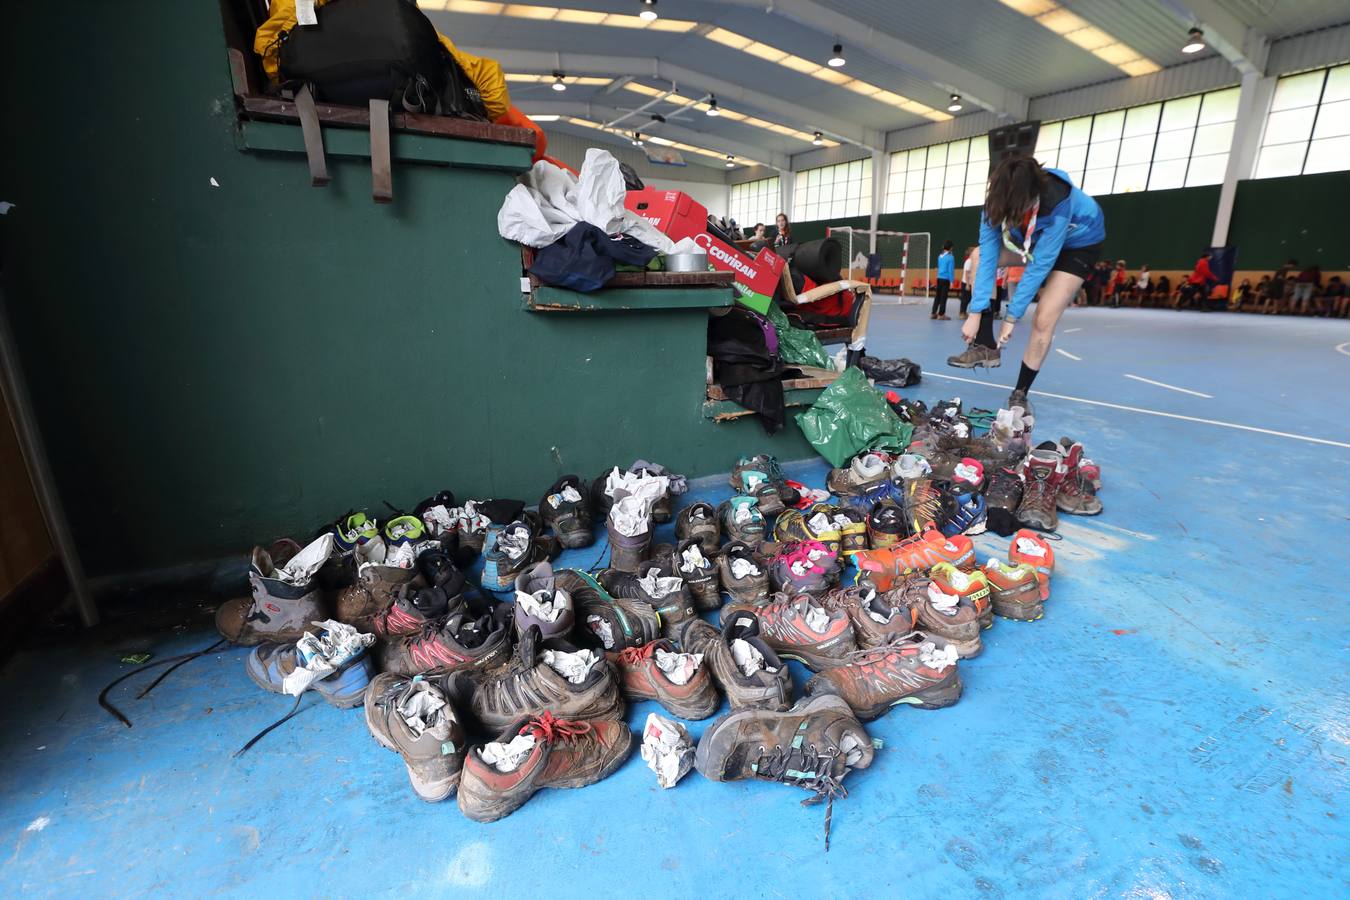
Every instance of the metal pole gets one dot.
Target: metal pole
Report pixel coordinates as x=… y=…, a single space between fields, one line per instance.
x=15 y=391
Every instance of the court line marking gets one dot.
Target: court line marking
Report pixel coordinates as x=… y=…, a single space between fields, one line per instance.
x=1069 y=355
x=1171 y=387
x=1070 y=330
x=1154 y=412
x=1343 y=348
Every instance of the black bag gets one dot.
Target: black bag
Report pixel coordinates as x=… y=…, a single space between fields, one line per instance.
x=821 y=261
x=381 y=53
x=900 y=372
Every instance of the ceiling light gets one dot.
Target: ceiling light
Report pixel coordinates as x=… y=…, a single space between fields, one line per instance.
x=955 y=105
x=558 y=82
x=712 y=109
x=837 y=59
x=648 y=10
x=637 y=139
x=545 y=118
x=731 y=161
x=545 y=79
x=1195 y=41
x=817 y=139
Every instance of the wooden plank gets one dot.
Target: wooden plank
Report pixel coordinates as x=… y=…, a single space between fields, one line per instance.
x=717 y=392
x=407 y=146
x=279 y=109
x=726 y=410
x=554 y=299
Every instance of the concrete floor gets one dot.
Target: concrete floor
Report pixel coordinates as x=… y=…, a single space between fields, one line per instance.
x=1176 y=725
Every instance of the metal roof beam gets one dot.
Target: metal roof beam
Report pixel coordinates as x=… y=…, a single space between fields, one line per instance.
x=1243 y=46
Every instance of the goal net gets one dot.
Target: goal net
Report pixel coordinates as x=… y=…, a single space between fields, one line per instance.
x=896 y=263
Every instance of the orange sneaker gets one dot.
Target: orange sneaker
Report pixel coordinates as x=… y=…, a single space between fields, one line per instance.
x=1029 y=547
x=972 y=587
x=1015 y=590
x=917 y=554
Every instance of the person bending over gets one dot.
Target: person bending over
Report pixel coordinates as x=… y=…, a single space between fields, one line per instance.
x=946 y=272
x=1036 y=218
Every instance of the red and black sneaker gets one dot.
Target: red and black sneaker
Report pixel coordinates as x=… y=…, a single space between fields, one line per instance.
x=462 y=641
x=414 y=608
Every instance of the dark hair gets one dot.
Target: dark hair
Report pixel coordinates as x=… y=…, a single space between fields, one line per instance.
x=758 y=226
x=946 y=245
x=787 y=224
x=1015 y=186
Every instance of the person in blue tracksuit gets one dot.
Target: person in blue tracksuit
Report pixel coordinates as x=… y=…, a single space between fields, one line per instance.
x=1033 y=217
x=946 y=274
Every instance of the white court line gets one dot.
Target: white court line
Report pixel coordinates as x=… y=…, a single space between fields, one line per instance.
x=1070 y=330
x=1142 y=535
x=1154 y=412
x=1171 y=387
x=1069 y=355
x=1343 y=348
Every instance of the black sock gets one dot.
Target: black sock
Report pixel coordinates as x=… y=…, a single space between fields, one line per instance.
x=1026 y=377
x=985 y=336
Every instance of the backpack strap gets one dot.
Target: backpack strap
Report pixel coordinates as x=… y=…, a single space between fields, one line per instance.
x=309 y=127
x=381 y=166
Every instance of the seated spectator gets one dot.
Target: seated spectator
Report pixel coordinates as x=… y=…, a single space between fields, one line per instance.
x=1280 y=286
x=1161 y=291
x=1141 y=284
x=1096 y=282
x=1305 y=286
x=1335 y=298
x=1243 y=296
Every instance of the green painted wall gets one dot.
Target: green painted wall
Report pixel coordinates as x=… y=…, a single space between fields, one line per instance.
x=216 y=366
x=1306 y=218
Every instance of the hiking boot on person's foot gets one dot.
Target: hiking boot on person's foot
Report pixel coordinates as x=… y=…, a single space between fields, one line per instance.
x=801 y=628
x=284 y=600
x=654 y=585
x=1029 y=547
x=1019 y=398
x=1002 y=497
x=679 y=681
x=269 y=664
x=556 y=676
x=539 y=752
x=412 y=717
x=877 y=617
x=698 y=522
x=748 y=670
x=1042 y=474
x=471 y=639
x=566 y=510
x=606 y=622
x=742 y=520
x=976 y=355
x=540 y=603
x=972 y=587
x=913 y=669
x=1078 y=489
x=743 y=573
x=1015 y=590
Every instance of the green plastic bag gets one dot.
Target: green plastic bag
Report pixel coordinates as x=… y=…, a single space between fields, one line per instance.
x=797 y=346
x=850 y=416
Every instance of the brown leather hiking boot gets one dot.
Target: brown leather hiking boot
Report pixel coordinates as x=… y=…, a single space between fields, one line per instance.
x=276 y=611
x=604 y=621
x=424 y=730
x=801 y=628
x=814 y=745
x=747 y=668
x=552 y=676
x=915 y=669
x=976 y=355
x=1041 y=475
x=656 y=585
x=744 y=574
x=876 y=617
x=373 y=592
x=1078 y=489
x=949 y=616
x=561 y=753
x=641 y=677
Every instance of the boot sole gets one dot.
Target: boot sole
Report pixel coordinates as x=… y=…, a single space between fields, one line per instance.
x=1022 y=612
x=692 y=711
x=939 y=696
x=977 y=365
x=490 y=810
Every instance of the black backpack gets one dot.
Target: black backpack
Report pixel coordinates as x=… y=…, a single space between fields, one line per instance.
x=381 y=53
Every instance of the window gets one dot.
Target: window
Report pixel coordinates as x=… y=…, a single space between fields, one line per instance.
x=1308 y=129
x=942 y=176
x=1180 y=143
x=755 y=201
x=833 y=192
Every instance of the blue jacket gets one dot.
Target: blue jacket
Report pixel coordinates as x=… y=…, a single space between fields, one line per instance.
x=1077 y=221
x=947 y=265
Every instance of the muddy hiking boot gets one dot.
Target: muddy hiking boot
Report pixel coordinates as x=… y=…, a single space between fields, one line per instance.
x=566 y=510
x=269 y=664
x=1029 y=547
x=977 y=355
x=1042 y=474
x=749 y=672
x=542 y=604
x=519 y=546
x=801 y=628
x=679 y=681
x=877 y=617
x=629 y=526
x=949 y=616
x=279 y=609
x=412 y=717
x=416 y=607
x=665 y=593
x=1082 y=478
x=814 y=745
x=883 y=568
x=1015 y=590
x=554 y=675
x=1002 y=498
x=743 y=574
x=816 y=523
x=383 y=564
x=972 y=587
x=1019 y=398
x=478 y=637
x=606 y=622
x=887 y=525
x=913 y=669
x=698 y=522
x=760 y=477
x=544 y=751
x=742 y=520
x=864 y=471
x=690 y=561
x=805 y=568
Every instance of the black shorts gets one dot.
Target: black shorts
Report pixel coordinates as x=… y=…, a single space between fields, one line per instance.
x=1078 y=261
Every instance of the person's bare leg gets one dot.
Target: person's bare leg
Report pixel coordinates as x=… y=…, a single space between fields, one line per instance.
x=1056 y=295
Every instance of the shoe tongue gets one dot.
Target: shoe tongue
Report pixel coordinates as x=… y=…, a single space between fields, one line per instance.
x=528 y=649
x=431 y=602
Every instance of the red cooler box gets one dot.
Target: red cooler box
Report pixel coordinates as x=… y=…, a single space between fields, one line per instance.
x=680 y=216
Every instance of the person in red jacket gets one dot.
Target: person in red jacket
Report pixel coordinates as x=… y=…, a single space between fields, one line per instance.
x=1197 y=286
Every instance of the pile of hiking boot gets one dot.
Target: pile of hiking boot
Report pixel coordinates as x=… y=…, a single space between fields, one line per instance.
x=521 y=682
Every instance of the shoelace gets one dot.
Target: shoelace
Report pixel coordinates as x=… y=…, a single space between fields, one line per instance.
x=547 y=727
x=173 y=662
x=632 y=656
x=809 y=768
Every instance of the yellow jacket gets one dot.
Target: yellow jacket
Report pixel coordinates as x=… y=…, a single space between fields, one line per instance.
x=486 y=74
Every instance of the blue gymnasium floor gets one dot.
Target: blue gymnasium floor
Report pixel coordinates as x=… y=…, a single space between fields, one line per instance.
x=1176 y=725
